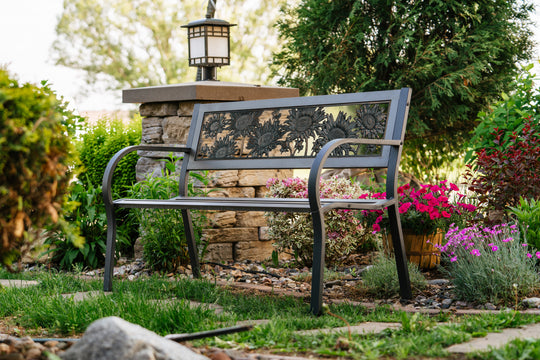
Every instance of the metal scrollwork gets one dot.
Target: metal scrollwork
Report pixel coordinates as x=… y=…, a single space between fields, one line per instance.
x=292 y=132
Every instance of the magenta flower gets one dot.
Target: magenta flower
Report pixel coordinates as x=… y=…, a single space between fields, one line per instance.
x=475 y=252
x=529 y=255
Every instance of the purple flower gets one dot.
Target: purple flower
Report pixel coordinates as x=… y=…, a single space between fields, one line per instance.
x=494 y=248
x=475 y=252
x=529 y=255
x=453 y=259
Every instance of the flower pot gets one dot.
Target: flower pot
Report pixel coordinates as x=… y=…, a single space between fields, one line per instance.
x=419 y=248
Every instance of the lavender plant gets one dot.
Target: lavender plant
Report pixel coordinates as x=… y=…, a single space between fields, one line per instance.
x=488 y=263
x=293 y=232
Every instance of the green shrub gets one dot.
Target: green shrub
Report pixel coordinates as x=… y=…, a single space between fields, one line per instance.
x=507 y=116
x=86 y=211
x=489 y=263
x=35 y=158
x=381 y=279
x=97 y=146
x=527 y=214
x=293 y=232
x=162 y=231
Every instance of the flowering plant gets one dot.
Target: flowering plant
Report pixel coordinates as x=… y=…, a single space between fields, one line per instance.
x=294 y=232
x=424 y=210
x=489 y=263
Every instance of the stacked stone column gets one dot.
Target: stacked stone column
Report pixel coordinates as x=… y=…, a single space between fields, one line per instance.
x=231 y=235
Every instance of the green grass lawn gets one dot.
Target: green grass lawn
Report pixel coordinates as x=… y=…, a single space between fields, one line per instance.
x=42 y=311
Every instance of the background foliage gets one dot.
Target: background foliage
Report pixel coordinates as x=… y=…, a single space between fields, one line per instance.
x=135 y=43
x=456 y=56
x=35 y=154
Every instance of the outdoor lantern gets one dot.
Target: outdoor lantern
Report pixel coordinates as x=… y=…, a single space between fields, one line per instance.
x=209 y=47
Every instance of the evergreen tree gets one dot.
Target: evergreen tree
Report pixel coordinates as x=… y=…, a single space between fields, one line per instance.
x=457 y=56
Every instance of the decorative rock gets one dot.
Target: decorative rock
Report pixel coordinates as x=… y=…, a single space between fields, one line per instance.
x=533 y=302
x=159 y=109
x=176 y=129
x=490 y=306
x=146 y=166
x=251 y=219
x=185 y=108
x=222 y=219
x=114 y=338
x=219 y=252
x=233 y=192
x=253 y=250
x=263 y=233
x=438 y=282
x=255 y=177
x=230 y=235
x=446 y=303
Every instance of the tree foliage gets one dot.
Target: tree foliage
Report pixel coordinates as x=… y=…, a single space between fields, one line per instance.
x=134 y=43
x=35 y=156
x=457 y=56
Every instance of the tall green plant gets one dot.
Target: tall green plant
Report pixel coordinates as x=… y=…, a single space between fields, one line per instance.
x=508 y=115
x=527 y=214
x=162 y=231
x=86 y=211
x=35 y=158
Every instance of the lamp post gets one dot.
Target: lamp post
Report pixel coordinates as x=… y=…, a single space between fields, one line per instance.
x=209 y=45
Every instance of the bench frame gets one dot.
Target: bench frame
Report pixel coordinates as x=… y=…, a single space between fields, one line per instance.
x=390 y=148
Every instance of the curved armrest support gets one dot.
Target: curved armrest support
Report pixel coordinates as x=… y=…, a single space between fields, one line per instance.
x=111 y=166
x=320 y=159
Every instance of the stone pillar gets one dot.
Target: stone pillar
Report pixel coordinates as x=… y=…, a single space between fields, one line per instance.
x=166 y=117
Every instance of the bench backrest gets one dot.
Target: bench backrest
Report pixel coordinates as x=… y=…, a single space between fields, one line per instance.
x=287 y=133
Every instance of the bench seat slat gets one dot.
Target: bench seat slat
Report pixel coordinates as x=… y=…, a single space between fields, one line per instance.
x=249 y=204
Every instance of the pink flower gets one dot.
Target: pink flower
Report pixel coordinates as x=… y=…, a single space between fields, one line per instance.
x=529 y=255
x=453 y=259
x=376 y=227
x=446 y=214
x=404 y=207
x=494 y=248
x=475 y=252
x=454 y=187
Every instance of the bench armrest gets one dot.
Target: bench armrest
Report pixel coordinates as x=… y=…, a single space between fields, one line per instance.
x=322 y=155
x=111 y=166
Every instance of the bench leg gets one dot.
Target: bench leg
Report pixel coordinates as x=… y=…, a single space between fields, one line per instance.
x=399 y=253
x=192 y=245
x=317 y=272
x=111 y=244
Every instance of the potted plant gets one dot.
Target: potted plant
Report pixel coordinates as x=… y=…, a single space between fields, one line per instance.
x=426 y=214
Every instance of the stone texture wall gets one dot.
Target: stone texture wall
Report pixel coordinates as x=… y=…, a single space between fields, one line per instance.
x=231 y=235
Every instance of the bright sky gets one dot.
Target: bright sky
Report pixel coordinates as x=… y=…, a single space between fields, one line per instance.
x=27 y=32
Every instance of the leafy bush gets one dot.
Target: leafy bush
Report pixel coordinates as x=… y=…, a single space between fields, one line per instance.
x=527 y=213
x=35 y=156
x=86 y=211
x=97 y=146
x=381 y=279
x=509 y=168
x=489 y=263
x=506 y=116
x=162 y=230
x=294 y=231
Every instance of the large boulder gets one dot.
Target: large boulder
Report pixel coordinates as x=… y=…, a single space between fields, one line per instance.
x=114 y=338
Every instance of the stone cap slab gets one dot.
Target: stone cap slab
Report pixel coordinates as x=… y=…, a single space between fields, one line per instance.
x=206 y=91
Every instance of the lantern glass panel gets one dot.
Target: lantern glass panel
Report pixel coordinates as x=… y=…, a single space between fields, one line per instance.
x=218 y=46
x=196 y=46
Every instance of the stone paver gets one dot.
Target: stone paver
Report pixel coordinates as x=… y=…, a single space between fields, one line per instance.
x=80 y=296
x=18 y=283
x=364 y=328
x=496 y=340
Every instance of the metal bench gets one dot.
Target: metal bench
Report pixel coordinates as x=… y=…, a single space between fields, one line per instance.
x=359 y=130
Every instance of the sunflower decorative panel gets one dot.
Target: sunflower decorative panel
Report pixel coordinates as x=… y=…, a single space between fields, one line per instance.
x=290 y=132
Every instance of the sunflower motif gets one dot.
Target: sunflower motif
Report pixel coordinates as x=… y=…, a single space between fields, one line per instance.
x=242 y=123
x=214 y=124
x=340 y=128
x=265 y=138
x=303 y=124
x=371 y=121
x=222 y=148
